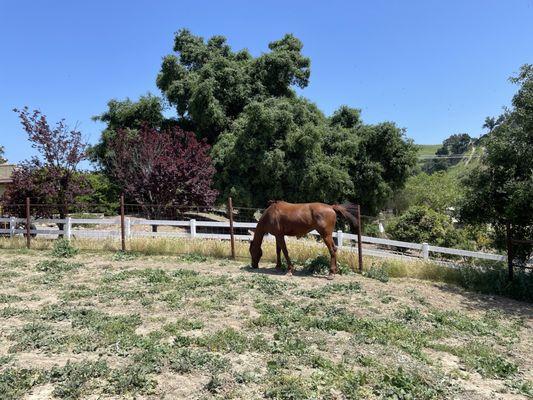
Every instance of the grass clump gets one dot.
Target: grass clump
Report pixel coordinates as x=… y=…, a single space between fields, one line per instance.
x=131 y=379
x=9 y=298
x=15 y=383
x=71 y=380
x=399 y=383
x=57 y=266
x=186 y=360
x=38 y=336
x=64 y=249
x=321 y=263
x=193 y=257
x=326 y=290
x=288 y=387
x=378 y=273
x=183 y=324
x=267 y=285
x=482 y=358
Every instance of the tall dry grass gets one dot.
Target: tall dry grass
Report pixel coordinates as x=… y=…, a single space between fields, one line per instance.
x=484 y=277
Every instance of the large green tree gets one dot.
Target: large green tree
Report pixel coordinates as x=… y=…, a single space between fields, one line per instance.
x=500 y=191
x=286 y=148
x=210 y=85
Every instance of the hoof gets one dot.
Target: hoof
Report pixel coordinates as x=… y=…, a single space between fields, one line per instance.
x=256 y=267
x=330 y=277
x=289 y=273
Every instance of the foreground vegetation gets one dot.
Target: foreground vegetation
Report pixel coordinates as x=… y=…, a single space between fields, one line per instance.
x=122 y=325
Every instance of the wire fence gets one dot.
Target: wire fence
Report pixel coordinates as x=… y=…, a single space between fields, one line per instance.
x=224 y=231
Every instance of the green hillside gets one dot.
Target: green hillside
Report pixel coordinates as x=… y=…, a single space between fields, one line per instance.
x=427 y=149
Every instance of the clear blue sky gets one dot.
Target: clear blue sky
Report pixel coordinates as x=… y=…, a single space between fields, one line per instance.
x=434 y=67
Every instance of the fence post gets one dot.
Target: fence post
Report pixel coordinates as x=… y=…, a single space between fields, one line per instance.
x=28 y=222
x=12 y=226
x=509 y=251
x=193 y=227
x=340 y=239
x=68 y=228
x=128 y=227
x=231 y=232
x=425 y=251
x=359 y=244
x=122 y=224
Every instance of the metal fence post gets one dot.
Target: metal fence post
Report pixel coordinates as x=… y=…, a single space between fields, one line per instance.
x=68 y=228
x=28 y=222
x=340 y=238
x=193 y=227
x=425 y=251
x=12 y=226
x=231 y=232
x=359 y=244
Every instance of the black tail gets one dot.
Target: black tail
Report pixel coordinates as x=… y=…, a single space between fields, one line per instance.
x=348 y=211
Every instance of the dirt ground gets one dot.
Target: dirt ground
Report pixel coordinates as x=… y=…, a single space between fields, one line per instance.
x=102 y=326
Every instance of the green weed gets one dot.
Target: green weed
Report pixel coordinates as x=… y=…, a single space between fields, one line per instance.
x=63 y=248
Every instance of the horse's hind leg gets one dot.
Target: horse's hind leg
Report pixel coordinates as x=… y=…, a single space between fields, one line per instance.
x=328 y=240
x=286 y=254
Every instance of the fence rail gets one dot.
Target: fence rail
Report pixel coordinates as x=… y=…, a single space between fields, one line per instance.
x=345 y=241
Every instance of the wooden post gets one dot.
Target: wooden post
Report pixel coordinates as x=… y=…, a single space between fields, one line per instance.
x=28 y=223
x=359 y=244
x=509 y=251
x=231 y=233
x=122 y=224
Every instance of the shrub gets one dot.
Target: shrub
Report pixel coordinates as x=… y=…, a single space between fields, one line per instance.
x=421 y=224
x=377 y=273
x=64 y=249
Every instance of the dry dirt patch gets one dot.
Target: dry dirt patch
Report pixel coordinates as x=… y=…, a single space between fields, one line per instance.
x=160 y=327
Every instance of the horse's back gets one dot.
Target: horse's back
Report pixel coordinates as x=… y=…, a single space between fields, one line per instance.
x=298 y=219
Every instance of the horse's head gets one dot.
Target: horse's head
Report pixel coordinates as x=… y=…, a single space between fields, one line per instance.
x=255 y=253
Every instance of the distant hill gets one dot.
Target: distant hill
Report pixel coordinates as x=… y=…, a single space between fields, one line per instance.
x=427 y=149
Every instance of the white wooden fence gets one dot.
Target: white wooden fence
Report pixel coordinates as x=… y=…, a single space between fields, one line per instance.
x=345 y=241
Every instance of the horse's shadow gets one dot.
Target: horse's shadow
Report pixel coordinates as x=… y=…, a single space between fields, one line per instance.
x=279 y=272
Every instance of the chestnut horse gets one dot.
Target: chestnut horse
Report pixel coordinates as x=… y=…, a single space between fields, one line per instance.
x=282 y=219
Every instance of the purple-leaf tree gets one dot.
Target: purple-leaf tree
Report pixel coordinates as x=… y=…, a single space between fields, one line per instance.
x=163 y=169
x=51 y=180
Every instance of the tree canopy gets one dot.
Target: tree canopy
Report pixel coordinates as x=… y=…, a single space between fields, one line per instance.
x=129 y=115
x=210 y=85
x=2 y=159
x=158 y=169
x=267 y=142
x=501 y=189
x=52 y=179
x=286 y=149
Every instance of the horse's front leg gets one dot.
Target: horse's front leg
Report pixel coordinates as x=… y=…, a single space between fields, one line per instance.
x=290 y=267
x=278 y=252
x=328 y=240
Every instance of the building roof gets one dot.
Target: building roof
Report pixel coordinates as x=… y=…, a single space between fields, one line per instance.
x=5 y=172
